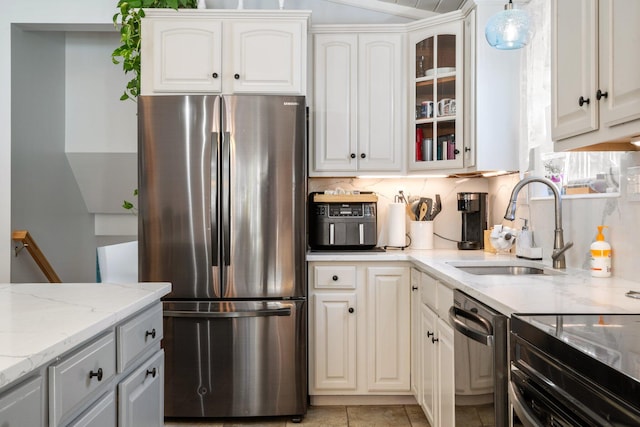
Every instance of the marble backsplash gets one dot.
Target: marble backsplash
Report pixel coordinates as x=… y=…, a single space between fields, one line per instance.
x=447 y=224
x=580 y=215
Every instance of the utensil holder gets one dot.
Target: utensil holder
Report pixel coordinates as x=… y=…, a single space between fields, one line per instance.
x=421 y=233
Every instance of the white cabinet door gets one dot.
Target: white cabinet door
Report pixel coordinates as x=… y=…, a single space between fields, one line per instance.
x=23 y=405
x=380 y=86
x=619 y=61
x=186 y=56
x=416 y=384
x=358 y=103
x=388 y=338
x=334 y=335
x=335 y=99
x=429 y=364
x=141 y=395
x=266 y=57
x=574 y=74
x=446 y=371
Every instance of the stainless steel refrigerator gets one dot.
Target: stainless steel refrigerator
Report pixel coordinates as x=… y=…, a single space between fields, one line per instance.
x=222 y=188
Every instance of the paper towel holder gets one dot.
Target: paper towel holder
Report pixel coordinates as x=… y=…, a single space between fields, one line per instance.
x=402 y=248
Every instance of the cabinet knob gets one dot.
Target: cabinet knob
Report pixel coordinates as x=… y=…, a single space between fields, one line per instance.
x=353 y=155
x=236 y=76
x=335 y=278
x=214 y=75
x=351 y=310
x=456 y=151
x=434 y=340
x=467 y=149
x=151 y=372
x=600 y=94
x=152 y=333
x=362 y=156
x=414 y=288
x=429 y=334
x=97 y=374
x=583 y=101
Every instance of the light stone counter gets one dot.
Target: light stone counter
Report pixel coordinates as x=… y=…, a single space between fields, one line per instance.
x=571 y=291
x=39 y=322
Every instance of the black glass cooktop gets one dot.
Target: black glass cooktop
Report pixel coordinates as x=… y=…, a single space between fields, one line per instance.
x=612 y=339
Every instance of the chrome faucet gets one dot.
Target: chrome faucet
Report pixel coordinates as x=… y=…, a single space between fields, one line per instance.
x=559 y=247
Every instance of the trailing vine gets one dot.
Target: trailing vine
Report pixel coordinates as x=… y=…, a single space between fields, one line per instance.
x=128 y=18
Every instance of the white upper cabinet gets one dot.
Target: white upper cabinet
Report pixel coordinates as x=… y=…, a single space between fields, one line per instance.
x=358 y=103
x=198 y=51
x=595 y=83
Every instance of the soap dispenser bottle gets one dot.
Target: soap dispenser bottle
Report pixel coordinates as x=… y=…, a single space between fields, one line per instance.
x=524 y=244
x=600 y=255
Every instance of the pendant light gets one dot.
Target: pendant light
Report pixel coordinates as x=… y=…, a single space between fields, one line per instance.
x=508 y=29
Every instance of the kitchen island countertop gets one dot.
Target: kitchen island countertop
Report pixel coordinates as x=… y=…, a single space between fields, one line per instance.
x=570 y=291
x=41 y=321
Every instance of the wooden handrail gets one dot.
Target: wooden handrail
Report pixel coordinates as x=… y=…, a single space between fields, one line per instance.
x=27 y=241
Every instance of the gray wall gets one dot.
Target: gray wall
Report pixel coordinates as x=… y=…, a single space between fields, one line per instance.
x=45 y=198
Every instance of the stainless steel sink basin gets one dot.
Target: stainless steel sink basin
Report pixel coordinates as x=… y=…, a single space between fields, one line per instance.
x=504 y=269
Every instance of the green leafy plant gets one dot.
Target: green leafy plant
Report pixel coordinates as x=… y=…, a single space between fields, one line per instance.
x=129 y=205
x=128 y=18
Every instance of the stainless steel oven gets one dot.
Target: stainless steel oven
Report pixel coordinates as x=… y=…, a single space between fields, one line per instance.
x=575 y=370
x=474 y=323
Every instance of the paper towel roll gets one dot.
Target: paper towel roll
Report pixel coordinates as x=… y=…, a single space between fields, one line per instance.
x=396 y=225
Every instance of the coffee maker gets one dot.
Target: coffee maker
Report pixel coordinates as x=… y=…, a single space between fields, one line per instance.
x=474 y=219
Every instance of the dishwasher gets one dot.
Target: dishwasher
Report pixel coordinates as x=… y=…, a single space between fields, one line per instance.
x=475 y=322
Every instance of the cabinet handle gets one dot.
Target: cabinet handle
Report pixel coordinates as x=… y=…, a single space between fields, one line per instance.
x=362 y=156
x=236 y=76
x=353 y=155
x=583 y=101
x=434 y=340
x=600 y=94
x=351 y=310
x=152 y=333
x=414 y=288
x=467 y=149
x=214 y=75
x=335 y=278
x=96 y=374
x=429 y=334
x=151 y=372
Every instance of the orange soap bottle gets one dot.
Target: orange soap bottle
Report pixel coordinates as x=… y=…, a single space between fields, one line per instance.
x=600 y=256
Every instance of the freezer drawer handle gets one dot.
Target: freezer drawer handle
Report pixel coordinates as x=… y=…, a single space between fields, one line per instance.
x=228 y=314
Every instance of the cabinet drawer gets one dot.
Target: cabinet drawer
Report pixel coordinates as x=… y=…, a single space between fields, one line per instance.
x=79 y=377
x=137 y=335
x=428 y=291
x=23 y=405
x=335 y=276
x=100 y=414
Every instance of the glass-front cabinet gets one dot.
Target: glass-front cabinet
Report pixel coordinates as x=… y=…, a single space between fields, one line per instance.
x=437 y=98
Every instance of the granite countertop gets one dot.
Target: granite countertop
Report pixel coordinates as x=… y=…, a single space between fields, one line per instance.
x=41 y=321
x=570 y=291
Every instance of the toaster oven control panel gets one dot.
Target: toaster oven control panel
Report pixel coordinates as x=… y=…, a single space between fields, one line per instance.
x=352 y=210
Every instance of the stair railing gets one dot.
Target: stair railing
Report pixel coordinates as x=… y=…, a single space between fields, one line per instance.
x=27 y=241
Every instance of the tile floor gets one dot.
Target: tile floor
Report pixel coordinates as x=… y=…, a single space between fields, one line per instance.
x=353 y=416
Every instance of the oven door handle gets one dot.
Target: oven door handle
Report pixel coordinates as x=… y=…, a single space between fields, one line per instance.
x=526 y=416
x=483 y=337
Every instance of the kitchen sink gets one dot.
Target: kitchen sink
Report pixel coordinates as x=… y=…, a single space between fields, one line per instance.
x=505 y=269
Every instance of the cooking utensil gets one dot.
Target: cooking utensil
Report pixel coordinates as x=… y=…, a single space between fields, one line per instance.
x=437 y=207
x=423 y=211
x=410 y=213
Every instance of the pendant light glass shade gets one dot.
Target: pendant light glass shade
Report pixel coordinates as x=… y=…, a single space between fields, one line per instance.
x=508 y=29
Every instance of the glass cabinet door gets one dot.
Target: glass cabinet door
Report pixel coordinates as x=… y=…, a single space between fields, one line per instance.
x=438 y=96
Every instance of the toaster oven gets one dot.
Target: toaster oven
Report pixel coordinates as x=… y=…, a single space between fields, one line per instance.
x=343 y=221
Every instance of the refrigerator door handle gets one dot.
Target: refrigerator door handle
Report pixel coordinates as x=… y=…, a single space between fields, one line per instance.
x=215 y=161
x=230 y=314
x=225 y=189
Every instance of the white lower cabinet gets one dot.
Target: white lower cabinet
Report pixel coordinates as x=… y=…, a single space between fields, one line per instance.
x=359 y=329
x=101 y=414
x=23 y=405
x=436 y=354
x=141 y=395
